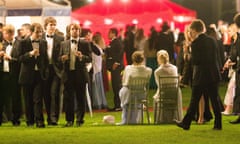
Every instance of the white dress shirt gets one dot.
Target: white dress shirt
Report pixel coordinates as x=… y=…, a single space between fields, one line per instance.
x=6 y=62
x=73 y=50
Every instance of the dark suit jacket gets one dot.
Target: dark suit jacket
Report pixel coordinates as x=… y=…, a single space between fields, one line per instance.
x=57 y=39
x=14 y=65
x=28 y=62
x=80 y=64
x=204 y=60
x=114 y=54
x=235 y=57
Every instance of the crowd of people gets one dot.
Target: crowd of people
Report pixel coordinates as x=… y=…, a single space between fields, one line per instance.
x=52 y=72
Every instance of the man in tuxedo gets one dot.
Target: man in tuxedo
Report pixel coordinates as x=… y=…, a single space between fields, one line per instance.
x=206 y=75
x=114 y=60
x=25 y=30
x=129 y=42
x=33 y=72
x=9 y=67
x=53 y=83
x=234 y=60
x=75 y=54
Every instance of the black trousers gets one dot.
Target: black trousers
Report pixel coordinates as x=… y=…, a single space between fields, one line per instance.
x=116 y=86
x=33 y=96
x=10 y=95
x=74 y=93
x=52 y=95
x=211 y=91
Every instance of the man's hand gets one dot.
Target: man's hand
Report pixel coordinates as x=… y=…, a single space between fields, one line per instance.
x=2 y=53
x=115 y=65
x=7 y=57
x=64 y=58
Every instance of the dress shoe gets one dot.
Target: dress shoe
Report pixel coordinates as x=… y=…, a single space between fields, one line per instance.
x=52 y=123
x=118 y=109
x=40 y=125
x=237 y=121
x=114 y=109
x=181 y=125
x=111 y=109
x=69 y=124
x=215 y=128
x=16 y=123
x=30 y=124
x=78 y=124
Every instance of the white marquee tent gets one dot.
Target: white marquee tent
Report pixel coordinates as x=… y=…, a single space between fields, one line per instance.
x=28 y=11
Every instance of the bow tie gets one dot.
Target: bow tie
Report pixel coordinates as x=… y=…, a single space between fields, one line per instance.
x=35 y=41
x=74 y=41
x=49 y=36
x=9 y=43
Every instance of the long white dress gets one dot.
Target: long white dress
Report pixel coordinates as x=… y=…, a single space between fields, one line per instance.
x=168 y=70
x=124 y=93
x=228 y=100
x=99 y=98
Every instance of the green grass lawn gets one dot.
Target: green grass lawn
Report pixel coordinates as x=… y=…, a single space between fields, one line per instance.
x=96 y=132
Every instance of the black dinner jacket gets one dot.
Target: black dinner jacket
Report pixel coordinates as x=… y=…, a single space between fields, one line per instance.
x=204 y=60
x=27 y=70
x=114 y=54
x=57 y=39
x=14 y=65
x=80 y=64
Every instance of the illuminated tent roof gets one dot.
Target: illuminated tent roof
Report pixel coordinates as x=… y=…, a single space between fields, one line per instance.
x=102 y=15
x=35 y=8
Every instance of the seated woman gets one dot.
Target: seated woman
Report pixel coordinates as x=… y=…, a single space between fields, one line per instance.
x=135 y=70
x=166 y=69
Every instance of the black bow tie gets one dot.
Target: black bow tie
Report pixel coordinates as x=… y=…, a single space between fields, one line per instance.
x=9 y=43
x=35 y=41
x=49 y=36
x=74 y=41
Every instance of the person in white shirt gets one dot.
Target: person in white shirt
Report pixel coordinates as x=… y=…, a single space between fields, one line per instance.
x=136 y=69
x=99 y=99
x=167 y=69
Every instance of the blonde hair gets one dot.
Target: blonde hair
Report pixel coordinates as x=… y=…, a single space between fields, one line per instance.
x=162 y=57
x=98 y=39
x=9 y=29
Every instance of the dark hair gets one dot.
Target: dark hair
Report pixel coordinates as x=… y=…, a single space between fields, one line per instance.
x=85 y=31
x=197 y=25
x=236 y=19
x=114 y=31
x=36 y=26
x=211 y=32
x=165 y=27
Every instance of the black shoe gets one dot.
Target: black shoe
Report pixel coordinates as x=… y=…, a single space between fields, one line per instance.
x=215 y=128
x=53 y=123
x=69 y=124
x=16 y=123
x=30 y=124
x=79 y=124
x=40 y=125
x=111 y=109
x=181 y=125
x=118 y=109
x=237 y=121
